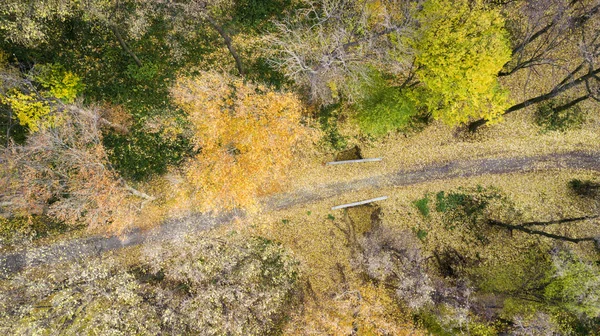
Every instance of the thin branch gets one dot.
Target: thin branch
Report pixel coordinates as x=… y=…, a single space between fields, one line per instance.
x=560 y=221
x=228 y=43
x=539 y=233
x=123 y=44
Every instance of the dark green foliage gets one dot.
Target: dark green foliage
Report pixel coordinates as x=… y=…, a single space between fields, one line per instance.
x=10 y=128
x=431 y=323
x=421 y=234
x=551 y=116
x=584 y=188
x=256 y=13
x=139 y=154
x=470 y=202
x=15 y=231
x=451 y=201
x=423 y=206
x=328 y=118
x=146 y=72
x=259 y=71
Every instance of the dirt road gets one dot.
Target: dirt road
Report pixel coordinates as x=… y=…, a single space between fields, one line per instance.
x=82 y=248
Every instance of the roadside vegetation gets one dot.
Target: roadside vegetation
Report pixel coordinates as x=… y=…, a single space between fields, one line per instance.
x=117 y=116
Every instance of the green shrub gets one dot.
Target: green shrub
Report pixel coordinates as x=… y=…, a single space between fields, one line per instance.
x=450 y=201
x=146 y=72
x=328 y=119
x=139 y=154
x=385 y=108
x=423 y=206
x=551 y=117
x=584 y=188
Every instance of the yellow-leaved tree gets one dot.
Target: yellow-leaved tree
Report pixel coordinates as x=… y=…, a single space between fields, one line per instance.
x=460 y=48
x=32 y=107
x=245 y=134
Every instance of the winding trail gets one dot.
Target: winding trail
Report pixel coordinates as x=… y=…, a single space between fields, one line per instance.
x=170 y=229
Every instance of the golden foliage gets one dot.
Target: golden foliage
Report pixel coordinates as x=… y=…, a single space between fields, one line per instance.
x=245 y=134
x=29 y=109
x=461 y=48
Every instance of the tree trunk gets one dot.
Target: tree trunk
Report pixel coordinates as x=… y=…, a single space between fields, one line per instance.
x=227 y=38
x=560 y=88
x=124 y=45
x=522 y=228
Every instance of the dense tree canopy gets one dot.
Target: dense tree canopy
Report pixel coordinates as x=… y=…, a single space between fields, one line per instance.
x=118 y=116
x=207 y=285
x=460 y=48
x=245 y=134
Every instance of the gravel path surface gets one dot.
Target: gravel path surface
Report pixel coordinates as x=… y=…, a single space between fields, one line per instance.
x=85 y=247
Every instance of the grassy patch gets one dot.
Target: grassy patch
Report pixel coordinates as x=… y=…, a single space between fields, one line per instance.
x=423 y=206
x=328 y=119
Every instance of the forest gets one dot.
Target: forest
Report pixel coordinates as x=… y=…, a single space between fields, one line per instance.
x=166 y=167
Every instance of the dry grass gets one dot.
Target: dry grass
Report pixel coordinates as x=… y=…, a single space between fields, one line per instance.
x=310 y=231
x=311 y=234
x=516 y=136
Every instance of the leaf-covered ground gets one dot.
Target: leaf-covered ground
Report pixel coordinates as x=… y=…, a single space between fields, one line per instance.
x=330 y=193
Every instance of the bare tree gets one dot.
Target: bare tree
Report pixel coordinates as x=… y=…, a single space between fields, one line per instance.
x=394 y=258
x=563 y=36
x=327 y=46
x=63 y=171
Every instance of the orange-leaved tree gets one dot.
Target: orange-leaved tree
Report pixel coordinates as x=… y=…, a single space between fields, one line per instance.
x=245 y=134
x=62 y=171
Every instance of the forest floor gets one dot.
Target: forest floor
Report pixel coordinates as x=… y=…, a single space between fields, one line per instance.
x=329 y=194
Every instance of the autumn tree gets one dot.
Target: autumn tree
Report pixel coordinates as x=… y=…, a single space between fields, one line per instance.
x=233 y=285
x=327 y=46
x=31 y=98
x=97 y=296
x=245 y=133
x=62 y=171
x=460 y=48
